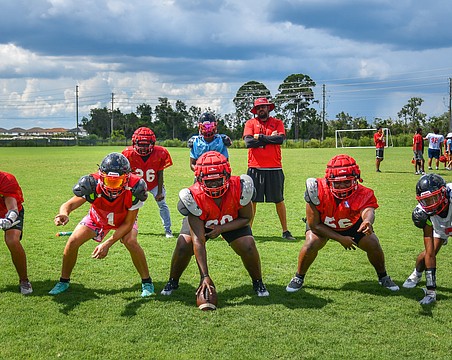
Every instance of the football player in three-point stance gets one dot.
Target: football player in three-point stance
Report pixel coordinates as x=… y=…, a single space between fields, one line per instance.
x=340 y=208
x=12 y=222
x=207 y=140
x=148 y=161
x=433 y=215
x=115 y=196
x=217 y=204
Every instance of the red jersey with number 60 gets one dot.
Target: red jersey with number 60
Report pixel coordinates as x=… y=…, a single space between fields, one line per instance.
x=158 y=160
x=110 y=214
x=9 y=187
x=341 y=215
x=228 y=209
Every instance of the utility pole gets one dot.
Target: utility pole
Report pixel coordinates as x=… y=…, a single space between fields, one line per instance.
x=450 y=104
x=76 y=115
x=112 y=113
x=323 y=112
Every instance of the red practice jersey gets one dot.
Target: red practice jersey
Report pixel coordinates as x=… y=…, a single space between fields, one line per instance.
x=158 y=160
x=111 y=214
x=270 y=155
x=344 y=214
x=229 y=207
x=9 y=187
x=418 y=142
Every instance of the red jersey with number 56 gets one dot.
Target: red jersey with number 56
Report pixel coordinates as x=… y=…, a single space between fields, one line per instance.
x=158 y=160
x=9 y=187
x=110 y=214
x=229 y=207
x=341 y=215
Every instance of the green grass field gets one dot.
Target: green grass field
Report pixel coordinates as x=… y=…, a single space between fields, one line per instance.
x=342 y=313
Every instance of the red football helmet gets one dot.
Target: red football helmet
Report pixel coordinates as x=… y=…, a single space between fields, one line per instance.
x=342 y=176
x=143 y=140
x=213 y=171
x=114 y=171
x=207 y=125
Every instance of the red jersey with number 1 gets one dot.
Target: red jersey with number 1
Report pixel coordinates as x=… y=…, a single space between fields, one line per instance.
x=342 y=215
x=9 y=187
x=110 y=214
x=158 y=160
x=212 y=214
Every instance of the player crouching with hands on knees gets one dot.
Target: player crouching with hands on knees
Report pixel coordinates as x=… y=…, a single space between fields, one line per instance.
x=115 y=196
x=433 y=215
x=11 y=222
x=216 y=204
x=340 y=208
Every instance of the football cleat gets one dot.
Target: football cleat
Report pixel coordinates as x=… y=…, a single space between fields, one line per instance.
x=429 y=298
x=295 y=284
x=412 y=281
x=388 y=283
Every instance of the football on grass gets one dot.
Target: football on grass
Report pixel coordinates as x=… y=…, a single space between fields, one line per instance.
x=206 y=301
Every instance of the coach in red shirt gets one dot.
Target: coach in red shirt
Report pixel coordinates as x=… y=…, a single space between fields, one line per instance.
x=263 y=137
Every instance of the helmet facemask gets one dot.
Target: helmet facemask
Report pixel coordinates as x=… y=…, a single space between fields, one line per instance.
x=342 y=176
x=212 y=172
x=208 y=129
x=433 y=202
x=143 y=141
x=143 y=146
x=342 y=187
x=113 y=184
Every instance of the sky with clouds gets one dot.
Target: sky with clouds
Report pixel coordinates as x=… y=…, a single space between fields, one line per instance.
x=372 y=56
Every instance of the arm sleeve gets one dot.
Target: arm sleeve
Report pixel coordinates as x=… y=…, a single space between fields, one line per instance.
x=251 y=142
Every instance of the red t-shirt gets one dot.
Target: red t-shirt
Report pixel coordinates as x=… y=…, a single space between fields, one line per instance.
x=229 y=207
x=9 y=187
x=111 y=214
x=343 y=215
x=379 y=143
x=158 y=160
x=268 y=156
x=418 y=142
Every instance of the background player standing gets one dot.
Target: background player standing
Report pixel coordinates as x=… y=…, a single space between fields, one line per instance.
x=149 y=161
x=379 y=140
x=207 y=140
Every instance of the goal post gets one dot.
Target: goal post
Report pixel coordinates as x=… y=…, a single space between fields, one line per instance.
x=360 y=138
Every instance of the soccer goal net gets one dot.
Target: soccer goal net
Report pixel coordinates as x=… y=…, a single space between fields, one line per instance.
x=360 y=138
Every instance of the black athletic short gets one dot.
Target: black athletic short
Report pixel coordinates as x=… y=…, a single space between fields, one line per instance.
x=353 y=231
x=379 y=153
x=229 y=236
x=269 y=185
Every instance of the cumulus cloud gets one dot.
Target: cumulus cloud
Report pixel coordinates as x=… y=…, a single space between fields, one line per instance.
x=202 y=51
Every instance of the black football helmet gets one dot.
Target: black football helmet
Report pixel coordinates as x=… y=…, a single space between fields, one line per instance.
x=114 y=171
x=431 y=193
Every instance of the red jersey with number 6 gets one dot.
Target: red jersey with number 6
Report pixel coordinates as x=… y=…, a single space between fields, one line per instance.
x=147 y=167
x=228 y=209
x=343 y=214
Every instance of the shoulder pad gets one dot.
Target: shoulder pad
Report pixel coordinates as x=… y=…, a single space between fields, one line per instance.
x=189 y=202
x=420 y=217
x=191 y=141
x=311 y=194
x=226 y=140
x=248 y=190
x=139 y=191
x=86 y=188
